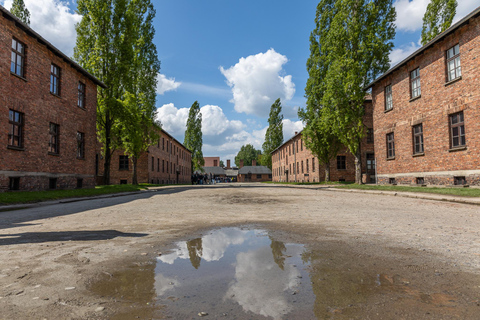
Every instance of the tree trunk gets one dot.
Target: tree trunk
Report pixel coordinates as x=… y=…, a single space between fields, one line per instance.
x=327 y=171
x=134 y=176
x=107 y=151
x=358 y=166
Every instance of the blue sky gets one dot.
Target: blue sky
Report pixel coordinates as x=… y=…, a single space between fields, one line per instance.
x=234 y=57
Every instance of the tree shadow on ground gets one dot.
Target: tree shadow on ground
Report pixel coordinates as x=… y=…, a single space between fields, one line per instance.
x=40 y=237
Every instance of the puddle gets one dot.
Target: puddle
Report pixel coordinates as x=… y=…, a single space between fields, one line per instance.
x=237 y=273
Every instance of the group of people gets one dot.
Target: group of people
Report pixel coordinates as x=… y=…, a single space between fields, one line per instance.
x=198 y=178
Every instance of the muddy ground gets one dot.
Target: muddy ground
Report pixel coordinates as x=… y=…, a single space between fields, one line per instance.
x=93 y=259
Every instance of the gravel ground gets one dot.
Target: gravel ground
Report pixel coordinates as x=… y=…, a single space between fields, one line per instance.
x=52 y=256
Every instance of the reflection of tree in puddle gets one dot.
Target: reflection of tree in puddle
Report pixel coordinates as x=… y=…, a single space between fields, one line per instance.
x=195 y=251
x=278 y=250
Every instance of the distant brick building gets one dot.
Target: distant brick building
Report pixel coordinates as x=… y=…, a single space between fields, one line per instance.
x=211 y=161
x=167 y=162
x=48 y=113
x=293 y=162
x=253 y=173
x=427 y=111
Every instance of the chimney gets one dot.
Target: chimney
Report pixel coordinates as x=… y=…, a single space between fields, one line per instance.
x=228 y=164
x=241 y=163
x=296 y=132
x=254 y=163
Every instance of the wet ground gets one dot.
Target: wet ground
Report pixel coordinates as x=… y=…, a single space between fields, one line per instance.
x=241 y=251
x=246 y=273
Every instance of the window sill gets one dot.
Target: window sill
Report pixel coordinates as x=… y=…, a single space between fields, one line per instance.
x=80 y=158
x=391 y=158
x=55 y=95
x=416 y=98
x=19 y=77
x=83 y=108
x=388 y=110
x=452 y=81
x=16 y=148
x=457 y=149
x=54 y=154
x=418 y=154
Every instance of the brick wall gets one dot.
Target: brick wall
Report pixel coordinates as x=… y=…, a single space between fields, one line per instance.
x=285 y=159
x=30 y=95
x=439 y=163
x=211 y=161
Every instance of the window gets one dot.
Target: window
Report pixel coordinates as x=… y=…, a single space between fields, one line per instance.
x=163 y=166
x=298 y=167
x=259 y=176
x=163 y=143
x=79 y=183
x=17 y=65
x=15 y=135
x=418 y=139
x=420 y=180
x=302 y=166
x=81 y=95
x=341 y=162
x=370 y=135
x=301 y=144
x=80 y=145
x=14 y=184
x=392 y=181
x=390 y=145
x=123 y=162
x=307 y=166
x=153 y=164
x=53 y=144
x=167 y=145
x=52 y=183
x=457 y=130
x=454 y=69
x=123 y=181
x=158 y=165
x=388 y=97
x=55 y=79
x=459 y=181
x=313 y=164
x=415 y=83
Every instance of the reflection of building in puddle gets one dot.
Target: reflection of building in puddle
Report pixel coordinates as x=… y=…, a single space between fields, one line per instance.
x=261 y=280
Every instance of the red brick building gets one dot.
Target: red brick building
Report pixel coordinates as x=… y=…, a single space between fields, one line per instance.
x=427 y=111
x=211 y=161
x=167 y=162
x=293 y=162
x=48 y=113
x=253 y=173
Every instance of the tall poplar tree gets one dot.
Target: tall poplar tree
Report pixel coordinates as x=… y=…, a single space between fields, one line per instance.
x=357 y=46
x=318 y=134
x=102 y=49
x=194 y=138
x=139 y=129
x=437 y=18
x=20 y=11
x=274 y=134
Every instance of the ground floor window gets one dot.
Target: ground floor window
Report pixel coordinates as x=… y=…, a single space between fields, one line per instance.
x=52 y=183
x=14 y=184
x=79 y=183
x=341 y=162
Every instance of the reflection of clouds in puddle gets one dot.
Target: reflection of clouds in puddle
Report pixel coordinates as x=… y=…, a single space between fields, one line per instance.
x=164 y=284
x=260 y=284
x=214 y=245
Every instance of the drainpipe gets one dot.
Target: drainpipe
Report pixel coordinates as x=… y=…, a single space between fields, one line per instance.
x=295 y=159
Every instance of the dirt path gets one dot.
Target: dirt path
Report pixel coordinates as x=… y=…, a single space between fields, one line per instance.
x=52 y=256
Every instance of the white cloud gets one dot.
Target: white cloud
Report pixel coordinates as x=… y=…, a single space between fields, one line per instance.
x=256 y=82
x=290 y=127
x=173 y=120
x=464 y=8
x=400 y=53
x=215 y=122
x=54 y=21
x=165 y=84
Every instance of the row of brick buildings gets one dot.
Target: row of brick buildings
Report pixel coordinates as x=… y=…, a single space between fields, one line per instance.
x=424 y=123
x=48 y=110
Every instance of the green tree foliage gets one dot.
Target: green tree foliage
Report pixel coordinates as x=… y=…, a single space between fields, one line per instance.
x=354 y=49
x=437 y=18
x=318 y=134
x=247 y=153
x=138 y=127
x=274 y=134
x=194 y=138
x=20 y=11
x=221 y=164
x=101 y=48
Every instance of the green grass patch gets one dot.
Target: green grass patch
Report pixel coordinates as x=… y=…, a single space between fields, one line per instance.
x=37 y=196
x=463 y=192
x=311 y=183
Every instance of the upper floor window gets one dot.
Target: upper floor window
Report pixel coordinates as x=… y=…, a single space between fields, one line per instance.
x=80 y=145
x=457 y=130
x=313 y=164
x=123 y=162
x=53 y=144
x=388 y=97
x=81 y=95
x=391 y=145
x=415 y=83
x=418 y=139
x=15 y=134
x=18 y=58
x=369 y=135
x=454 y=70
x=55 y=79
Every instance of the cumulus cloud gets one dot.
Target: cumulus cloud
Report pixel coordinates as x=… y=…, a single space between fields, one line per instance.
x=257 y=81
x=290 y=127
x=215 y=122
x=54 y=21
x=173 y=120
x=166 y=84
x=400 y=53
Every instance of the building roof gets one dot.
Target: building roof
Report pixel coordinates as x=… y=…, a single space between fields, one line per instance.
x=254 y=170
x=171 y=137
x=291 y=139
x=475 y=13
x=29 y=31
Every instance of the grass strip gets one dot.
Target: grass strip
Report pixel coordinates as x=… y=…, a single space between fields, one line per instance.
x=463 y=192
x=38 y=196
